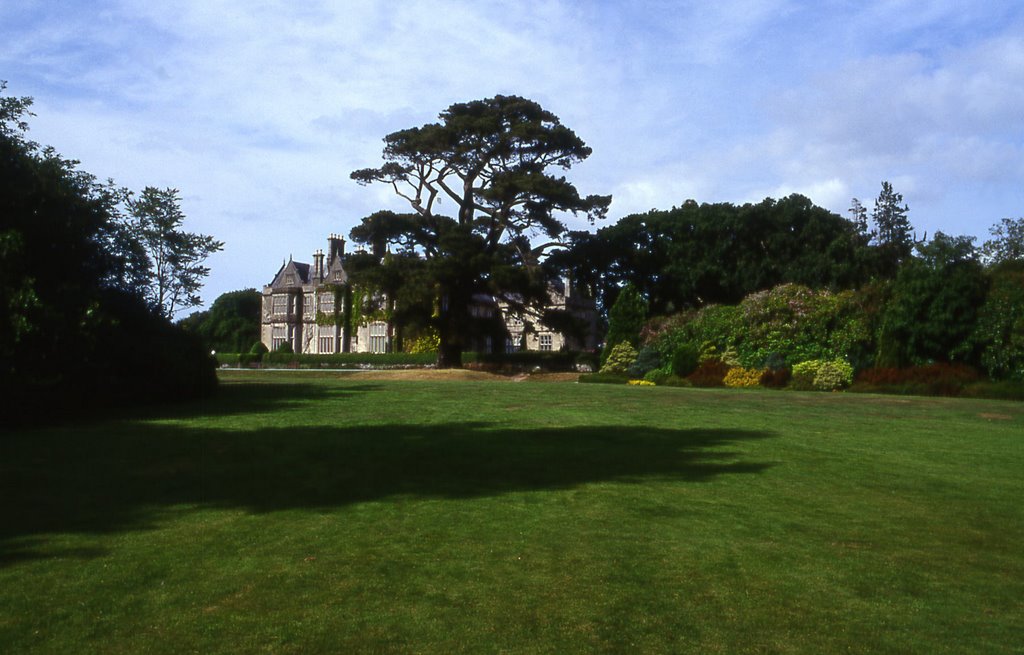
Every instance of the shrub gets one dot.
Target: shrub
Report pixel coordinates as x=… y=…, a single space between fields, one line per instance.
x=1003 y=390
x=525 y=360
x=802 y=378
x=620 y=358
x=685 y=360
x=285 y=347
x=928 y=374
x=710 y=373
x=821 y=375
x=647 y=360
x=258 y=350
x=832 y=375
x=939 y=379
x=640 y=383
x=427 y=342
x=603 y=378
x=657 y=376
x=775 y=378
x=739 y=377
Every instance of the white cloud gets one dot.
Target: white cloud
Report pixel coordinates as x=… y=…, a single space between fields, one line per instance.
x=258 y=112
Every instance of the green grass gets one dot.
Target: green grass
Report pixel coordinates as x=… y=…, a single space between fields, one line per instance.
x=310 y=512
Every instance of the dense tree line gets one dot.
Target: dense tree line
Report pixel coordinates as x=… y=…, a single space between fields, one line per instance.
x=700 y=254
x=79 y=323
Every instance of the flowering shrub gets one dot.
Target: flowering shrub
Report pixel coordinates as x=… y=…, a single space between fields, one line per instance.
x=620 y=358
x=739 y=377
x=427 y=342
x=641 y=383
x=822 y=375
x=832 y=375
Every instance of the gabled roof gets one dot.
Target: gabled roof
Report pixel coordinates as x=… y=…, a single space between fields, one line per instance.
x=297 y=270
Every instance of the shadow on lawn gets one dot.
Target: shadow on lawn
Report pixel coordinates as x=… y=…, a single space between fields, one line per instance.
x=125 y=477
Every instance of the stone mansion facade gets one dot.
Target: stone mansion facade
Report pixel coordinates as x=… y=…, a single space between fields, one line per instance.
x=301 y=292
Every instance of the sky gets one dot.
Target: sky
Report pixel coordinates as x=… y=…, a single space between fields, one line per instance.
x=258 y=111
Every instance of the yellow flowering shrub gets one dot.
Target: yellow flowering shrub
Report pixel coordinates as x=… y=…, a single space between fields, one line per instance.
x=738 y=377
x=641 y=383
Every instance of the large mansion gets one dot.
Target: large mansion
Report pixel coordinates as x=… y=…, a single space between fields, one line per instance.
x=300 y=296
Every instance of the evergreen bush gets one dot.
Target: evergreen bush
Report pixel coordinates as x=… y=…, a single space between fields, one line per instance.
x=620 y=359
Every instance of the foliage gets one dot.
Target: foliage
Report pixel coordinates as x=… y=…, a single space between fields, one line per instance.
x=626 y=319
x=620 y=358
x=647 y=359
x=776 y=378
x=231 y=323
x=259 y=348
x=173 y=259
x=710 y=373
x=490 y=158
x=768 y=329
x=701 y=254
x=74 y=330
x=603 y=378
x=999 y=332
x=833 y=375
x=640 y=383
x=934 y=305
x=285 y=347
x=426 y=342
x=739 y=377
x=1007 y=242
x=685 y=359
x=892 y=233
x=821 y=375
x=280 y=359
x=657 y=376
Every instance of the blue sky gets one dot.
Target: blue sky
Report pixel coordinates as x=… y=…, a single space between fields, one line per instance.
x=257 y=111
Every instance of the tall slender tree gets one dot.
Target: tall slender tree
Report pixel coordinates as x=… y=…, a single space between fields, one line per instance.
x=174 y=258
x=892 y=232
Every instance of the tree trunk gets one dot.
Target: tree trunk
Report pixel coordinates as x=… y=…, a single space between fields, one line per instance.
x=454 y=317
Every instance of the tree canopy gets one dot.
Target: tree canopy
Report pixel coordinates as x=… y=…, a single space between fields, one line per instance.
x=492 y=160
x=172 y=258
x=701 y=254
x=74 y=325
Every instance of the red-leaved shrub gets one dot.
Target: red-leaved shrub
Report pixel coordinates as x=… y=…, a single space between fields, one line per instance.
x=710 y=373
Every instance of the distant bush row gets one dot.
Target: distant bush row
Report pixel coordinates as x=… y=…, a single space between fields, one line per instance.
x=548 y=361
x=952 y=380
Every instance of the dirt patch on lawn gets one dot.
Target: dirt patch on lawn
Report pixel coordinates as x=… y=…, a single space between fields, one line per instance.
x=995 y=417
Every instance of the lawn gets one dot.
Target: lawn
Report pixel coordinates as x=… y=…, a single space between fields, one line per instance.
x=303 y=512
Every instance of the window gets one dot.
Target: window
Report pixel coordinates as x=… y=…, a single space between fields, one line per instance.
x=378 y=337
x=327 y=303
x=280 y=304
x=545 y=342
x=307 y=305
x=278 y=337
x=511 y=345
x=326 y=339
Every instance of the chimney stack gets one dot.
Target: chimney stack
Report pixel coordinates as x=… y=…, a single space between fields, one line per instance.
x=318 y=265
x=336 y=246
